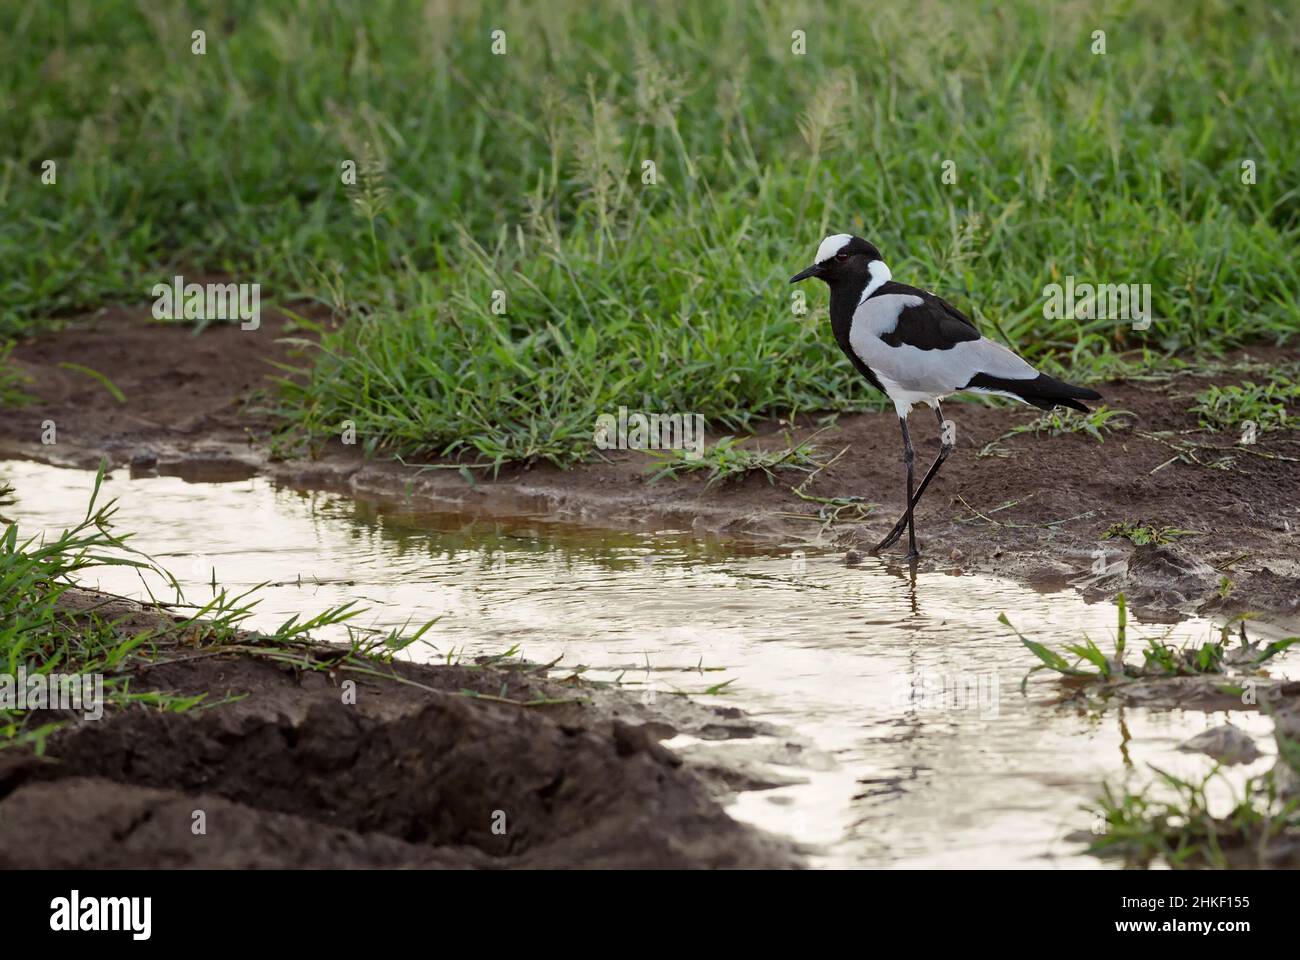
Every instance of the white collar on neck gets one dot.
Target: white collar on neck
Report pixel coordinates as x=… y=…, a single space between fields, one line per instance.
x=880 y=276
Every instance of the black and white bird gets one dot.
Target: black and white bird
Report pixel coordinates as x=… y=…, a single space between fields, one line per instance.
x=919 y=348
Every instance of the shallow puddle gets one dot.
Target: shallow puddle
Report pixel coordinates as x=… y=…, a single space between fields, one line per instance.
x=904 y=737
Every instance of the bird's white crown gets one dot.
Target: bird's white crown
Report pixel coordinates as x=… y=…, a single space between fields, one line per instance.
x=831 y=246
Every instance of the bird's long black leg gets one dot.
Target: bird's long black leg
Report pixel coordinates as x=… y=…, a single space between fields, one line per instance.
x=945 y=448
x=909 y=456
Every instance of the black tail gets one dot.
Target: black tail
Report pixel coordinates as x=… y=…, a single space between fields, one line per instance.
x=1043 y=391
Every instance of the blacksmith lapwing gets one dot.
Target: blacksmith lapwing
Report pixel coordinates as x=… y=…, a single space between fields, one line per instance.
x=919 y=348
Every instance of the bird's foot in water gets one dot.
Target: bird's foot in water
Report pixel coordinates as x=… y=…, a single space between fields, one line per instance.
x=892 y=537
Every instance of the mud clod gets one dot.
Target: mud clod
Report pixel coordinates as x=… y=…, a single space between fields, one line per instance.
x=293 y=777
x=1226 y=743
x=1164 y=576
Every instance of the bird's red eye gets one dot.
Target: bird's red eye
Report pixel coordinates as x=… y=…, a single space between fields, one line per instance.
x=841 y=257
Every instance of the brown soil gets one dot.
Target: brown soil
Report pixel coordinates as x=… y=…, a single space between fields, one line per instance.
x=1035 y=511
x=185 y=391
x=417 y=772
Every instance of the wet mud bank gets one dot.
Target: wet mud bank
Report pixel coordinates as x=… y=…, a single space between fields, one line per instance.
x=1034 y=508
x=306 y=757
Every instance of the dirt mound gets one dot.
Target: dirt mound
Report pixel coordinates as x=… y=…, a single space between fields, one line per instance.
x=1163 y=575
x=418 y=777
x=86 y=822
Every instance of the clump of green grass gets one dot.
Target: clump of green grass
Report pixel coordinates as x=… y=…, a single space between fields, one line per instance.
x=44 y=635
x=1141 y=534
x=728 y=459
x=526 y=174
x=1159 y=658
x=1179 y=828
x=1059 y=422
x=1230 y=408
x=34 y=631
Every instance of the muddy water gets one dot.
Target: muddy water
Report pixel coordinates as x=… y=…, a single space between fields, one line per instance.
x=899 y=734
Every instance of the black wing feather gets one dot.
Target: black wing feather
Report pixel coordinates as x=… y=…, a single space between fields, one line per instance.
x=933 y=324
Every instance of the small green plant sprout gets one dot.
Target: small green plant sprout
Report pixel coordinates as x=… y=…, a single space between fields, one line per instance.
x=1056 y=423
x=729 y=460
x=1231 y=408
x=1141 y=534
x=1160 y=659
x=99 y=378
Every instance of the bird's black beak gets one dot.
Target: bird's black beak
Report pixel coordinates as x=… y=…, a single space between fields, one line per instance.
x=813 y=271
